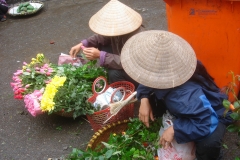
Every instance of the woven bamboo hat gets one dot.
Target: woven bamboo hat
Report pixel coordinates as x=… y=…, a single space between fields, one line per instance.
x=158 y=59
x=114 y=19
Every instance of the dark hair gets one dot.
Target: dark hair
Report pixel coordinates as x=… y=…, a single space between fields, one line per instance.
x=202 y=77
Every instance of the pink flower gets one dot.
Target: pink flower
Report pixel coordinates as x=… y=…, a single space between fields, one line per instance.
x=19 y=72
x=48 y=73
x=17 y=86
x=18 y=80
x=45 y=65
x=13 y=84
x=24 y=63
x=50 y=70
x=42 y=71
x=32 y=102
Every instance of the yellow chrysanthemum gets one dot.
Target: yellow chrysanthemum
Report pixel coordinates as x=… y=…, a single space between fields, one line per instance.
x=40 y=57
x=58 y=81
x=47 y=103
x=33 y=59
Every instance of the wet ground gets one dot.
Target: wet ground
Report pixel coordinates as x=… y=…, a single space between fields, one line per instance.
x=66 y=23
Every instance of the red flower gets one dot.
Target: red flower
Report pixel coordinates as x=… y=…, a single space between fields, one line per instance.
x=18 y=96
x=145 y=144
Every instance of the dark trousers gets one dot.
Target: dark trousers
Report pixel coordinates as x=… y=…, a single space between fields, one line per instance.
x=3 y=10
x=210 y=147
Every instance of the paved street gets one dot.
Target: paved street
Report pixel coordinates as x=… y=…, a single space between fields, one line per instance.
x=23 y=137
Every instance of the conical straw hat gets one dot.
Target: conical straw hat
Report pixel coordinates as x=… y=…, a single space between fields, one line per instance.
x=115 y=19
x=158 y=59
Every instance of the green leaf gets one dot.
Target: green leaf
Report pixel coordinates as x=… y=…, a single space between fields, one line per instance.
x=226 y=103
x=236 y=104
x=117 y=153
x=225 y=146
x=101 y=158
x=235 y=116
x=109 y=153
x=232 y=128
x=73 y=95
x=59 y=128
x=33 y=75
x=26 y=73
x=107 y=145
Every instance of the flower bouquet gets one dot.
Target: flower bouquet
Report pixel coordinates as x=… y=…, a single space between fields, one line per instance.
x=49 y=88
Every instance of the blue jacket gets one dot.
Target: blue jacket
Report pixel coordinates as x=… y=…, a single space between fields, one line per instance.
x=197 y=109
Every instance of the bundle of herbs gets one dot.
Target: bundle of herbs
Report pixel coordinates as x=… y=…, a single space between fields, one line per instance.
x=137 y=142
x=73 y=95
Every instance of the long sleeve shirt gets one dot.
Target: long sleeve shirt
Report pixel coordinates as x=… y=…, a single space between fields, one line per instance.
x=109 y=60
x=197 y=109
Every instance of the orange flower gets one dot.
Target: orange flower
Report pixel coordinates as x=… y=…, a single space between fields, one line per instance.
x=231 y=107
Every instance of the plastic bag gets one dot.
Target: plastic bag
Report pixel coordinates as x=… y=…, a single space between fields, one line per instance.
x=184 y=151
x=67 y=59
x=103 y=100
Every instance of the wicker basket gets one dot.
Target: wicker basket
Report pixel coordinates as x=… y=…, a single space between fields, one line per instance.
x=97 y=119
x=103 y=134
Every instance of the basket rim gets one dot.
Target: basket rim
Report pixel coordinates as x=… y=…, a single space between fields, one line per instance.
x=102 y=131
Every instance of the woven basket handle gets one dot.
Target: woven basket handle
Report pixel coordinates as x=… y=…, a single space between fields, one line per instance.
x=97 y=83
x=122 y=90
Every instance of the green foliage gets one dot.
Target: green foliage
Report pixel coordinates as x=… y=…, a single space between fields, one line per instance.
x=230 y=91
x=225 y=146
x=59 y=128
x=73 y=95
x=138 y=142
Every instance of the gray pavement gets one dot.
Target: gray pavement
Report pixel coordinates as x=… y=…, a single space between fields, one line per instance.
x=66 y=23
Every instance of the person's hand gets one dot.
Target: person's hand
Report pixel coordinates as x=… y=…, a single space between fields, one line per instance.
x=167 y=137
x=75 y=50
x=145 y=111
x=91 y=53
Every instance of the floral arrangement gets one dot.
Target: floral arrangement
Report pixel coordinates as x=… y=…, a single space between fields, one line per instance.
x=47 y=87
x=137 y=142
